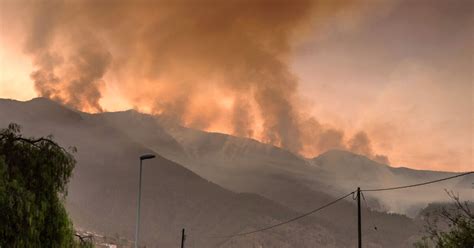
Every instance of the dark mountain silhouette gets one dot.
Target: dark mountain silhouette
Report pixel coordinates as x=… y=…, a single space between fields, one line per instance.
x=103 y=190
x=246 y=165
x=102 y=193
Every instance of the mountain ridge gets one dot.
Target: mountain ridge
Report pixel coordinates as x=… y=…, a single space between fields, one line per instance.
x=50 y=102
x=239 y=166
x=102 y=190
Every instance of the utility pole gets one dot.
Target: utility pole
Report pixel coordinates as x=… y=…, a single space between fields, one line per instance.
x=183 y=237
x=359 y=221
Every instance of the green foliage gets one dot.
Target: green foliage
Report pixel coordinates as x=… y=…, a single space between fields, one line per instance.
x=33 y=184
x=459 y=225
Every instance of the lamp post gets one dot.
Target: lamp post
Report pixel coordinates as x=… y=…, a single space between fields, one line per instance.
x=137 y=228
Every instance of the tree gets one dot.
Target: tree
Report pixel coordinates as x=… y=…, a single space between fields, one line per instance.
x=33 y=185
x=458 y=230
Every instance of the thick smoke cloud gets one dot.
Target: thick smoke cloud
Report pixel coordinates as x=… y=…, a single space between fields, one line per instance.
x=71 y=75
x=200 y=63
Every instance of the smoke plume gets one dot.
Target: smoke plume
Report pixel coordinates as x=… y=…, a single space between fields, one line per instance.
x=360 y=143
x=206 y=64
x=72 y=74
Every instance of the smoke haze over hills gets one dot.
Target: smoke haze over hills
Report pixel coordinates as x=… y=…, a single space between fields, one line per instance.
x=201 y=68
x=257 y=111
x=216 y=184
x=387 y=79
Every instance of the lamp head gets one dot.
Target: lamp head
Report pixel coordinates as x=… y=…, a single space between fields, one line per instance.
x=147 y=156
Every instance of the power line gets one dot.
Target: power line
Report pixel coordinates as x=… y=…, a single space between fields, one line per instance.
x=287 y=221
x=339 y=199
x=368 y=211
x=418 y=184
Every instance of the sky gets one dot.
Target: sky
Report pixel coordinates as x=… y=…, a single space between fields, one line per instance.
x=388 y=79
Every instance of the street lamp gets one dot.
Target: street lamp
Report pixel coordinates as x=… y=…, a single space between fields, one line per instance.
x=137 y=228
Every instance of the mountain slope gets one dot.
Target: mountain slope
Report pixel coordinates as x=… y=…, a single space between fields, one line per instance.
x=245 y=165
x=110 y=143
x=346 y=169
x=102 y=192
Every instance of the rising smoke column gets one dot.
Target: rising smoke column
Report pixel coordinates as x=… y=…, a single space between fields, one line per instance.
x=69 y=61
x=196 y=62
x=238 y=47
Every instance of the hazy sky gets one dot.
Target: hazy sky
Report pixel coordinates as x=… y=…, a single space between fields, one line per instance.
x=399 y=70
x=403 y=73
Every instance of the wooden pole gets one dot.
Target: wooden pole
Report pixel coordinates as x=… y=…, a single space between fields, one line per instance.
x=183 y=237
x=359 y=221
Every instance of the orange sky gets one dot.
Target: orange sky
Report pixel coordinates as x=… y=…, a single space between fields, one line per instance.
x=402 y=72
